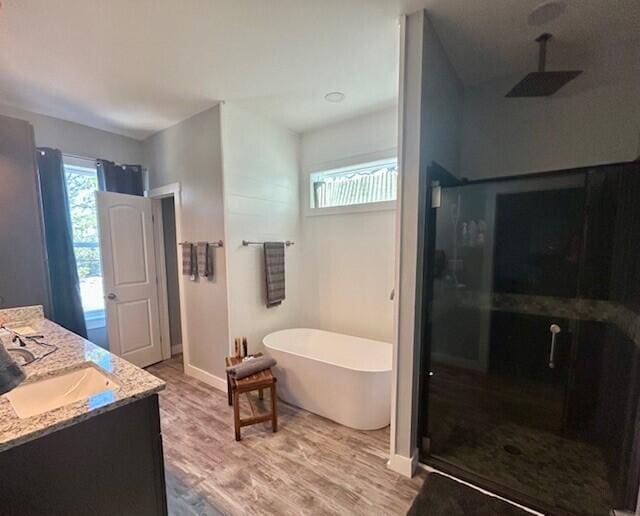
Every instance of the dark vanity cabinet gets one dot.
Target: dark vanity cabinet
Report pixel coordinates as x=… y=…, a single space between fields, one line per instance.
x=110 y=464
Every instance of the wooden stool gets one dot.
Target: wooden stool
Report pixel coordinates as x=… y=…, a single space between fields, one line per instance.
x=255 y=382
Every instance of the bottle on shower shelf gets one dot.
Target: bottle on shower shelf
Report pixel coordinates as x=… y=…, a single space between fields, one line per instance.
x=464 y=235
x=473 y=234
x=482 y=232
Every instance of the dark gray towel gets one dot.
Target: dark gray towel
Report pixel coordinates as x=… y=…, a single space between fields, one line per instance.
x=274 y=272
x=188 y=260
x=211 y=251
x=250 y=366
x=10 y=373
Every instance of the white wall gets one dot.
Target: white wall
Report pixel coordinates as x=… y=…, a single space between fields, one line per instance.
x=80 y=140
x=262 y=204
x=348 y=264
x=430 y=107
x=190 y=153
x=574 y=128
x=363 y=135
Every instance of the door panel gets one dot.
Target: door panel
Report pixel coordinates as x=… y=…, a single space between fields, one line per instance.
x=130 y=264
x=502 y=398
x=130 y=278
x=134 y=317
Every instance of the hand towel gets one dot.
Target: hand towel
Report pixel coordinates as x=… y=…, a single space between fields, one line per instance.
x=202 y=252
x=188 y=261
x=250 y=366
x=274 y=272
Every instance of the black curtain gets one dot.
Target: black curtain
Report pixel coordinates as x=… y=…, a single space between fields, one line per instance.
x=126 y=179
x=63 y=273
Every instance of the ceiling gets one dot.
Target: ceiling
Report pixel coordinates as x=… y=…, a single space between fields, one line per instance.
x=136 y=67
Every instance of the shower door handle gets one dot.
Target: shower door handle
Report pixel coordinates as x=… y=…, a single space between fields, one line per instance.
x=554 y=329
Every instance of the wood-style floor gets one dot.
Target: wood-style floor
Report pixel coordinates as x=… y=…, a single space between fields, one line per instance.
x=310 y=466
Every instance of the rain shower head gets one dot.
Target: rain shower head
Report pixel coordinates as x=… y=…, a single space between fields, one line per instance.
x=542 y=83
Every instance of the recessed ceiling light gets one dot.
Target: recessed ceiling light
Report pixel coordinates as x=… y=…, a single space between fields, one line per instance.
x=334 y=96
x=546 y=12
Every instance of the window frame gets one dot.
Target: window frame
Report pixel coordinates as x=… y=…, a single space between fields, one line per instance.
x=371 y=159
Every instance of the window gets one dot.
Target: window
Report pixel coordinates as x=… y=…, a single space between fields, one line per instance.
x=82 y=182
x=366 y=183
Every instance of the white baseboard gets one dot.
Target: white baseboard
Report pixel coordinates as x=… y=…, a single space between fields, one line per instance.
x=404 y=465
x=176 y=349
x=205 y=377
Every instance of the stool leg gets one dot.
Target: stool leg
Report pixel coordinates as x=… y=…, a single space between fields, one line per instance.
x=229 y=389
x=274 y=409
x=236 y=413
x=260 y=394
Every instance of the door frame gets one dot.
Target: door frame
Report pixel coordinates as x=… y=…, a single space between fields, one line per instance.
x=171 y=190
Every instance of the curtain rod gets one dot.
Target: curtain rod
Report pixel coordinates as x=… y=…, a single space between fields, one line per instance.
x=76 y=156
x=69 y=155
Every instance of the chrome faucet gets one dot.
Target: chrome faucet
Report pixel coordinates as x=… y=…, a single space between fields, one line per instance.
x=11 y=374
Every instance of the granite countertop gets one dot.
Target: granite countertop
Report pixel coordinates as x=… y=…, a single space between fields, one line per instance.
x=73 y=352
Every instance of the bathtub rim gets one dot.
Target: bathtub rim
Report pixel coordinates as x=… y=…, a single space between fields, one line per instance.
x=357 y=370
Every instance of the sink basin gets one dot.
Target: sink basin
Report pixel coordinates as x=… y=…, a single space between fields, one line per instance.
x=53 y=392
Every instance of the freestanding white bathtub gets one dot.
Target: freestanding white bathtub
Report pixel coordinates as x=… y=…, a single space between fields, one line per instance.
x=343 y=378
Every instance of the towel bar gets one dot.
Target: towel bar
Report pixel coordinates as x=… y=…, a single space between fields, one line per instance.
x=248 y=242
x=219 y=243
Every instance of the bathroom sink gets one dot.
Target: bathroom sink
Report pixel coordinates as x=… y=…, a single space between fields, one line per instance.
x=53 y=392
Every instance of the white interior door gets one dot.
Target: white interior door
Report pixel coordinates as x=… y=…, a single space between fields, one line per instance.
x=129 y=277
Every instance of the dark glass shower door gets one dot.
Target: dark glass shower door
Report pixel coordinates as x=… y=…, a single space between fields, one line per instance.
x=513 y=353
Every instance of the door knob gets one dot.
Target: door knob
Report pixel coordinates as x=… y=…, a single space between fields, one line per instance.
x=111 y=296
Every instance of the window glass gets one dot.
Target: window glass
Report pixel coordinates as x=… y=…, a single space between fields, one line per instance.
x=82 y=183
x=360 y=184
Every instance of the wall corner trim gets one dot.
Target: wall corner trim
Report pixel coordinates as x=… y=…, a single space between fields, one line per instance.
x=406 y=466
x=205 y=377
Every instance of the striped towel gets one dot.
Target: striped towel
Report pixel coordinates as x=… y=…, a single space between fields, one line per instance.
x=202 y=252
x=274 y=272
x=189 y=265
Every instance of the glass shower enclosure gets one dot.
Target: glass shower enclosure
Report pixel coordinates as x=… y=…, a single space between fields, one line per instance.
x=530 y=366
